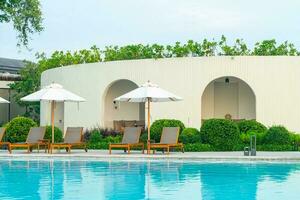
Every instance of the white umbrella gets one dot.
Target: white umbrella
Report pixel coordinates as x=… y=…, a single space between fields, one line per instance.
x=148 y=93
x=3 y=100
x=53 y=93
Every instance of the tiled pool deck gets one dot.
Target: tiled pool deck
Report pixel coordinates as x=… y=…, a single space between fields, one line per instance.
x=137 y=155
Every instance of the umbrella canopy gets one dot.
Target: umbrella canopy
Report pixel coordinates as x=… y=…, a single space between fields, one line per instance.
x=148 y=92
x=3 y=100
x=53 y=93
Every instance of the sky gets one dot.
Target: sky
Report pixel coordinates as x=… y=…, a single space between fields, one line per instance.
x=77 y=24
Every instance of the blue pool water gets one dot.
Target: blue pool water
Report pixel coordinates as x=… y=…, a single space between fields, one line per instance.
x=47 y=179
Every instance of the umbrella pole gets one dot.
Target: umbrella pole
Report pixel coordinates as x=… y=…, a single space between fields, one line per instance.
x=148 y=123
x=52 y=119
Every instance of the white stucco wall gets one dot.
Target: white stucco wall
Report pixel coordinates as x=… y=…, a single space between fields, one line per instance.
x=274 y=80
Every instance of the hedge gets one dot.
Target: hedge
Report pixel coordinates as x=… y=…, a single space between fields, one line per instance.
x=245 y=137
x=157 y=126
x=190 y=136
x=222 y=134
x=58 y=135
x=246 y=126
x=277 y=135
x=197 y=147
x=17 y=129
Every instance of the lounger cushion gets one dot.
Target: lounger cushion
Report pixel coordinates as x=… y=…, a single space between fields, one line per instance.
x=73 y=135
x=131 y=135
x=35 y=134
x=169 y=135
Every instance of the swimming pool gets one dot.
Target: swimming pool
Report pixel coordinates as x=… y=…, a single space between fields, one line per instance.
x=65 y=179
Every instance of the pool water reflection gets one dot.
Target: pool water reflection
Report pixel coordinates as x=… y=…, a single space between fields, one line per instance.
x=47 y=179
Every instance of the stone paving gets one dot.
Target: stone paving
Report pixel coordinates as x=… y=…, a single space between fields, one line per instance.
x=137 y=155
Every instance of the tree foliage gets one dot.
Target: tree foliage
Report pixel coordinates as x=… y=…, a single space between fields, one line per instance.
x=25 y=15
x=32 y=72
x=270 y=48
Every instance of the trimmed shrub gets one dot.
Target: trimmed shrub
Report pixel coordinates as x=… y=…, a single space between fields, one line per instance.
x=92 y=136
x=58 y=135
x=277 y=135
x=251 y=125
x=189 y=136
x=222 y=134
x=144 y=137
x=157 y=126
x=245 y=137
x=111 y=139
x=17 y=129
x=97 y=134
x=98 y=145
x=197 y=147
x=274 y=147
x=295 y=138
x=95 y=137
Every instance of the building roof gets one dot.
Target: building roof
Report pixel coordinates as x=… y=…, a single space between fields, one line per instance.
x=11 y=66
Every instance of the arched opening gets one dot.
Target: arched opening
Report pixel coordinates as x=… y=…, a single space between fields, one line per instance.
x=228 y=97
x=118 y=115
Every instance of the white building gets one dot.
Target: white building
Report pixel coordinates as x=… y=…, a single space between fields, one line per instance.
x=249 y=87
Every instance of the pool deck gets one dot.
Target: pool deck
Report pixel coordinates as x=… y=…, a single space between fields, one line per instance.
x=136 y=155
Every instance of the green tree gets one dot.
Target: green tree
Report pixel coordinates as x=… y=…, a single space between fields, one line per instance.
x=25 y=15
x=270 y=48
x=31 y=74
x=238 y=49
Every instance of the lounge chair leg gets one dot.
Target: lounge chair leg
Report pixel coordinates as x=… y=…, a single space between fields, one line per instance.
x=69 y=150
x=9 y=148
x=168 y=150
x=85 y=149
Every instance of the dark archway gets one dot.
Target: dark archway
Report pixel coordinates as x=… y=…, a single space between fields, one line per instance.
x=228 y=97
x=118 y=114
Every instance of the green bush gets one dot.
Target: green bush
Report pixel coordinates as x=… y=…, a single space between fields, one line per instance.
x=245 y=137
x=277 y=135
x=58 y=135
x=95 y=137
x=144 y=137
x=197 y=147
x=189 y=136
x=17 y=129
x=251 y=125
x=295 y=138
x=112 y=139
x=275 y=147
x=157 y=126
x=98 y=145
x=222 y=134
